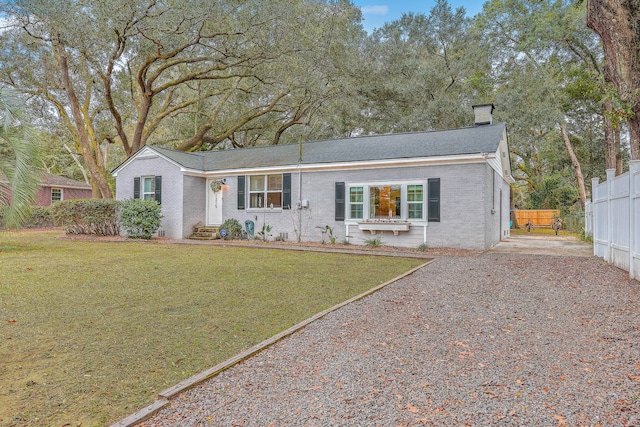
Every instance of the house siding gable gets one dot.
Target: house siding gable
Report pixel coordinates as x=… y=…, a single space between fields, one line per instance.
x=172 y=190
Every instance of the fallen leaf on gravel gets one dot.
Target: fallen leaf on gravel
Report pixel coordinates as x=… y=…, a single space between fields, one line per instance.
x=491 y=393
x=562 y=421
x=634 y=377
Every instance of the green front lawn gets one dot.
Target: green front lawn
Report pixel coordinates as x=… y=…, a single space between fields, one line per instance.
x=91 y=331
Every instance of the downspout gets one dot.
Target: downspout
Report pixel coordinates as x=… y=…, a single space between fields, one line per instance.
x=299 y=202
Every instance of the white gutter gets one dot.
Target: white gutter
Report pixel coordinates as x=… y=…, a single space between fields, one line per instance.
x=388 y=163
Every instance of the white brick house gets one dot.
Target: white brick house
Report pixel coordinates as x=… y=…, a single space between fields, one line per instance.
x=443 y=188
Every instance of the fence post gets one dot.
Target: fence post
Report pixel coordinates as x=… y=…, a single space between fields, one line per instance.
x=611 y=174
x=634 y=168
x=594 y=217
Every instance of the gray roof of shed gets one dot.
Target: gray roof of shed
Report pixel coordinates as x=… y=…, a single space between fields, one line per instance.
x=50 y=180
x=471 y=140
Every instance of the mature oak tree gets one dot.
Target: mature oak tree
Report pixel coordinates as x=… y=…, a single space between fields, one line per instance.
x=232 y=66
x=617 y=22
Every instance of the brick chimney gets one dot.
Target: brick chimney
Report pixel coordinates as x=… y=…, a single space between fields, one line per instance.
x=484 y=114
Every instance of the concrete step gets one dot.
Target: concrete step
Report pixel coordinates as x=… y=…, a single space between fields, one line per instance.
x=194 y=237
x=205 y=232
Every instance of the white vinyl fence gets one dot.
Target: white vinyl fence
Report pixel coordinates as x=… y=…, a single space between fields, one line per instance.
x=613 y=217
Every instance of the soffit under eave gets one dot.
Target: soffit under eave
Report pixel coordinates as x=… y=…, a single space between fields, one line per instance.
x=320 y=167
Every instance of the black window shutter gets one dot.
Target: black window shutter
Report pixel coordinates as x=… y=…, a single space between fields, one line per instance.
x=241 y=189
x=433 y=209
x=136 y=187
x=158 y=193
x=340 y=205
x=286 y=191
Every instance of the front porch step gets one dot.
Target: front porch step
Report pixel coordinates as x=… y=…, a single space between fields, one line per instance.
x=204 y=232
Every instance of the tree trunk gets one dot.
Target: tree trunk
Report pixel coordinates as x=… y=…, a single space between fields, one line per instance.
x=618 y=151
x=96 y=170
x=576 y=165
x=609 y=137
x=616 y=22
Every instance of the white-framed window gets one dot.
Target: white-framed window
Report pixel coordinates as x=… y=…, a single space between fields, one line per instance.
x=356 y=202
x=265 y=191
x=56 y=195
x=415 y=201
x=387 y=200
x=148 y=191
x=148 y=188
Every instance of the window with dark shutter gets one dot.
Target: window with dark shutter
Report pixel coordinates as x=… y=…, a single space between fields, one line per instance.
x=433 y=209
x=136 y=187
x=286 y=191
x=241 y=190
x=340 y=191
x=158 y=190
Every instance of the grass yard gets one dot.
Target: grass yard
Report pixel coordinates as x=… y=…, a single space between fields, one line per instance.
x=91 y=331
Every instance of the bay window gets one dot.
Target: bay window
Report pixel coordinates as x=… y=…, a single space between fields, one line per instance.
x=385 y=201
x=401 y=201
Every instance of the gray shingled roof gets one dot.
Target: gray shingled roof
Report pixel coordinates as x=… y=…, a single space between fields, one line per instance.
x=50 y=180
x=471 y=140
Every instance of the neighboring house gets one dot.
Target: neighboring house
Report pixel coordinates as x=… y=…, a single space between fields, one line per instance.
x=54 y=188
x=443 y=188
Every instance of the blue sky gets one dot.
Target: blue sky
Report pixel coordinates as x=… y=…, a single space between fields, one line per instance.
x=377 y=12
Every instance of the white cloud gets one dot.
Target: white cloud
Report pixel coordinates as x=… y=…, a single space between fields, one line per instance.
x=375 y=10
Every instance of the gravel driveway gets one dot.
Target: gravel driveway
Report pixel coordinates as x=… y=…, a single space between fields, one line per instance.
x=495 y=339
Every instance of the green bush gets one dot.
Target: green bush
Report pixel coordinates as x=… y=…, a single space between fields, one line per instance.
x=139 y=218
x=87 y=216
x=233 y=229
x=373 y=243
x=39 y=217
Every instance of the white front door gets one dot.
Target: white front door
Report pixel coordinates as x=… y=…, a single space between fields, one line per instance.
x=214 y=206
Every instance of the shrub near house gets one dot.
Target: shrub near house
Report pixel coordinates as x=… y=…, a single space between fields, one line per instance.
x=139 y=218
x=88 y=216
x=103 y=217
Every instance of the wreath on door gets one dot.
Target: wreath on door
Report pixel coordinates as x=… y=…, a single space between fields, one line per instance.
x=216 y=185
